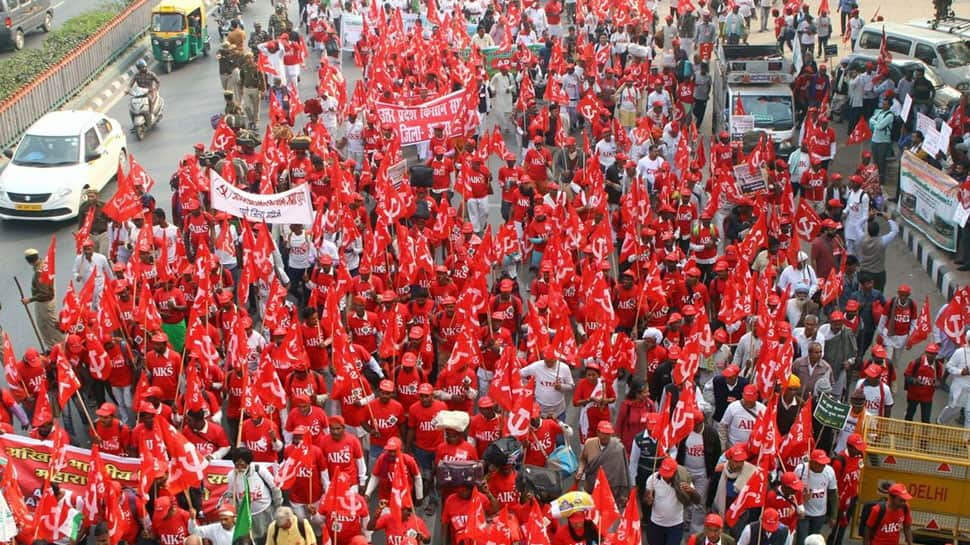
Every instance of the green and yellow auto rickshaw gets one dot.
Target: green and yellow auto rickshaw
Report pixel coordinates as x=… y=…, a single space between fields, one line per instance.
x=179 y=32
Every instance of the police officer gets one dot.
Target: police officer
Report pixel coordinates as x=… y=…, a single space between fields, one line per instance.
x=279 y=22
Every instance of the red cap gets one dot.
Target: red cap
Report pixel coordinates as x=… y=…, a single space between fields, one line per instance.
x=106 y=409
x=836 y=316
x=750 y=393
x=300 y=430
x=792 y=481
x=416 y=333
x=879 y=351
x=874 y=370
x=425 y=389
x=904 y=289
x=604 y=427
x=409 y=360
x=386 y=386
x=899 y=490
x=932 y=348
x=394 y=443
x=714 y=520
x=668 y=467
x=731 y=370
x=820 y=457
x=770 y=519
x=856 y=440
x=737 y=453
x=506 y=285
x=485 y=402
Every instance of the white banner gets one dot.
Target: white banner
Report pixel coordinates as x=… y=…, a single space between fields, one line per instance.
x=292 y=206
x=351 y=27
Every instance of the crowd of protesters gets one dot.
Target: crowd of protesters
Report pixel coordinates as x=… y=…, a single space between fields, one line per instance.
x=569 y=289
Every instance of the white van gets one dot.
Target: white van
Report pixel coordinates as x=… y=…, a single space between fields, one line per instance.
x=947 y=54
x=955 y=26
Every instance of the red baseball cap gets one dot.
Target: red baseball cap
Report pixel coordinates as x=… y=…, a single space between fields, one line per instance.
x=770 y=519
x=750 y=393
x=792 y=481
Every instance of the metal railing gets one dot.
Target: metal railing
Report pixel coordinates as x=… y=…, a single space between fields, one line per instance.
x=62 y=81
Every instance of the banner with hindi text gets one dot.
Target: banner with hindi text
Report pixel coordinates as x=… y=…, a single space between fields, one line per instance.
x=291 y=206
x=31 y=458
x=414 y=123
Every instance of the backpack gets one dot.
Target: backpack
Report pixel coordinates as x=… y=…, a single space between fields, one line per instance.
x=867 y=509
x=300 y=522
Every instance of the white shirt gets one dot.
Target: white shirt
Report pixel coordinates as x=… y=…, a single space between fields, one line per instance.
x=606 y=151
x=260 y=479
x=170 y=234
x=83 y=269
x=647 y=168
x=213 y=532
x=792 y=276
x=302 y=252
x=739 y=422
x=877 y=397
x=817 y=486
x=226 y=259
x=856 y=214
x=667 y=510
x=329 y=115
x=694 y=457
x=354 y=132
x=548 y=397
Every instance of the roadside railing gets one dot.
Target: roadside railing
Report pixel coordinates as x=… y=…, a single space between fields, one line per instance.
x=62 y=81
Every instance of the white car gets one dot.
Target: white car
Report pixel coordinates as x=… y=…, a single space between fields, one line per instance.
x=57 y=157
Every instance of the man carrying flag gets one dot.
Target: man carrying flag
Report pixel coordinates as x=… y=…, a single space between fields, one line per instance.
x=42 y=295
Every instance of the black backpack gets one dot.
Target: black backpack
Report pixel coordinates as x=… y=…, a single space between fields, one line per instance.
x=867 y=510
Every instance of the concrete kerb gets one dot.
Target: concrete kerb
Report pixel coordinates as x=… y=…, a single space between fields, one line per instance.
x=931 y=259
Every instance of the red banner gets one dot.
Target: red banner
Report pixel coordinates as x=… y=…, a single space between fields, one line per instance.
x=414 y=123
x=31 y=458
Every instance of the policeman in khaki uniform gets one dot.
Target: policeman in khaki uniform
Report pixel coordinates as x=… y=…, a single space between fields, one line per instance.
x=253 y=88
x=45 y=305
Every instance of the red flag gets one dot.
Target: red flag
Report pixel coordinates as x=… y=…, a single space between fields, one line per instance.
x=67 y=381
x=187 y=467
x=922 y=328
x=823 y=7
x=752 y=495
x=885 y=57
x=147 y=313
x=288 y=473
x=517 y=423
x=959 y=116
x=47 y=271
x=861 y=132
x=400 y=489
x=588 y=106
x=42 y=408
x=15 y=497
x=955 y=316
x=738 y=106
x=95 y=494
x=679 y=422
x=628 y=532
x=807 y=223
x=606 y=510
x=125 y=204
x=10 y=367
x=796 y=443
x=223 y=139
x=831 y=287
x=755 y=241
x=764 y=436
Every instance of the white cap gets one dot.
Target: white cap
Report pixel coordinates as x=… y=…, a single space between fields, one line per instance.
x=802 y=256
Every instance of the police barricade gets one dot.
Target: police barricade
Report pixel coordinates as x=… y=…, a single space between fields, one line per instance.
x=932 y=461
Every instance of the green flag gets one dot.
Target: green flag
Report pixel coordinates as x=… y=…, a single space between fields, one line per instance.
x=244 y=517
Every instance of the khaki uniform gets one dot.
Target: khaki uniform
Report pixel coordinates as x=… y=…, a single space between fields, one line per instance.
x=277 y=24
x=229 y=60
x=99 y=227
x=253 y=86
x=45 y=308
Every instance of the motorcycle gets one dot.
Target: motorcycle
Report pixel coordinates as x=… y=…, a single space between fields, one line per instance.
x=225 y=17
x=141 y=119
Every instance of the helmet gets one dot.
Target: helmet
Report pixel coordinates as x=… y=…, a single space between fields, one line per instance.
x=141 y=64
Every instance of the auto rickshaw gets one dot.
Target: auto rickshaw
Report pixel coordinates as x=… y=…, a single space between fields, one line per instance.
x=179 y=32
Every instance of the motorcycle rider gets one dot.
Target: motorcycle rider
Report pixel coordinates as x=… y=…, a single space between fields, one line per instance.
x=146 y=79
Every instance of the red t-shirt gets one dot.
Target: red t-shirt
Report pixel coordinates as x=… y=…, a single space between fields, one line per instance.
x=541 y=442
x=345 y=525
x=456 y=512
x=395 y=530
x=484 y=432
x=387 y=419
x=165 y=369
x=172 y=530
x=113 y=439
x=455 y=453
x=503 y=487
x=341 y=455
x=364 y=329
x=890 y=526
x=256 y=438
x=457 y=384
x=308 y=486
x=315 y=422
x=426 y=436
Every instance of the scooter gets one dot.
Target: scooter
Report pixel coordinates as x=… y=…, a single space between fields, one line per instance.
x=141 y=119
x=225 y=20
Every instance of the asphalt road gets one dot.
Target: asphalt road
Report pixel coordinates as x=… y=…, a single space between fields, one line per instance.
x=63 y=10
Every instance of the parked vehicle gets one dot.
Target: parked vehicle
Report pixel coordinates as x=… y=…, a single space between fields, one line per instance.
x=143 y=120
x=759 y=78
x=179 y=32
x=57 y=157
x=955 y=26
x=949 y=55
x=946 y=98
x=22 y=17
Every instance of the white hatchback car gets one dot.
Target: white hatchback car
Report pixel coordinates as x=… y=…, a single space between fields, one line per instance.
x=58 y=155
